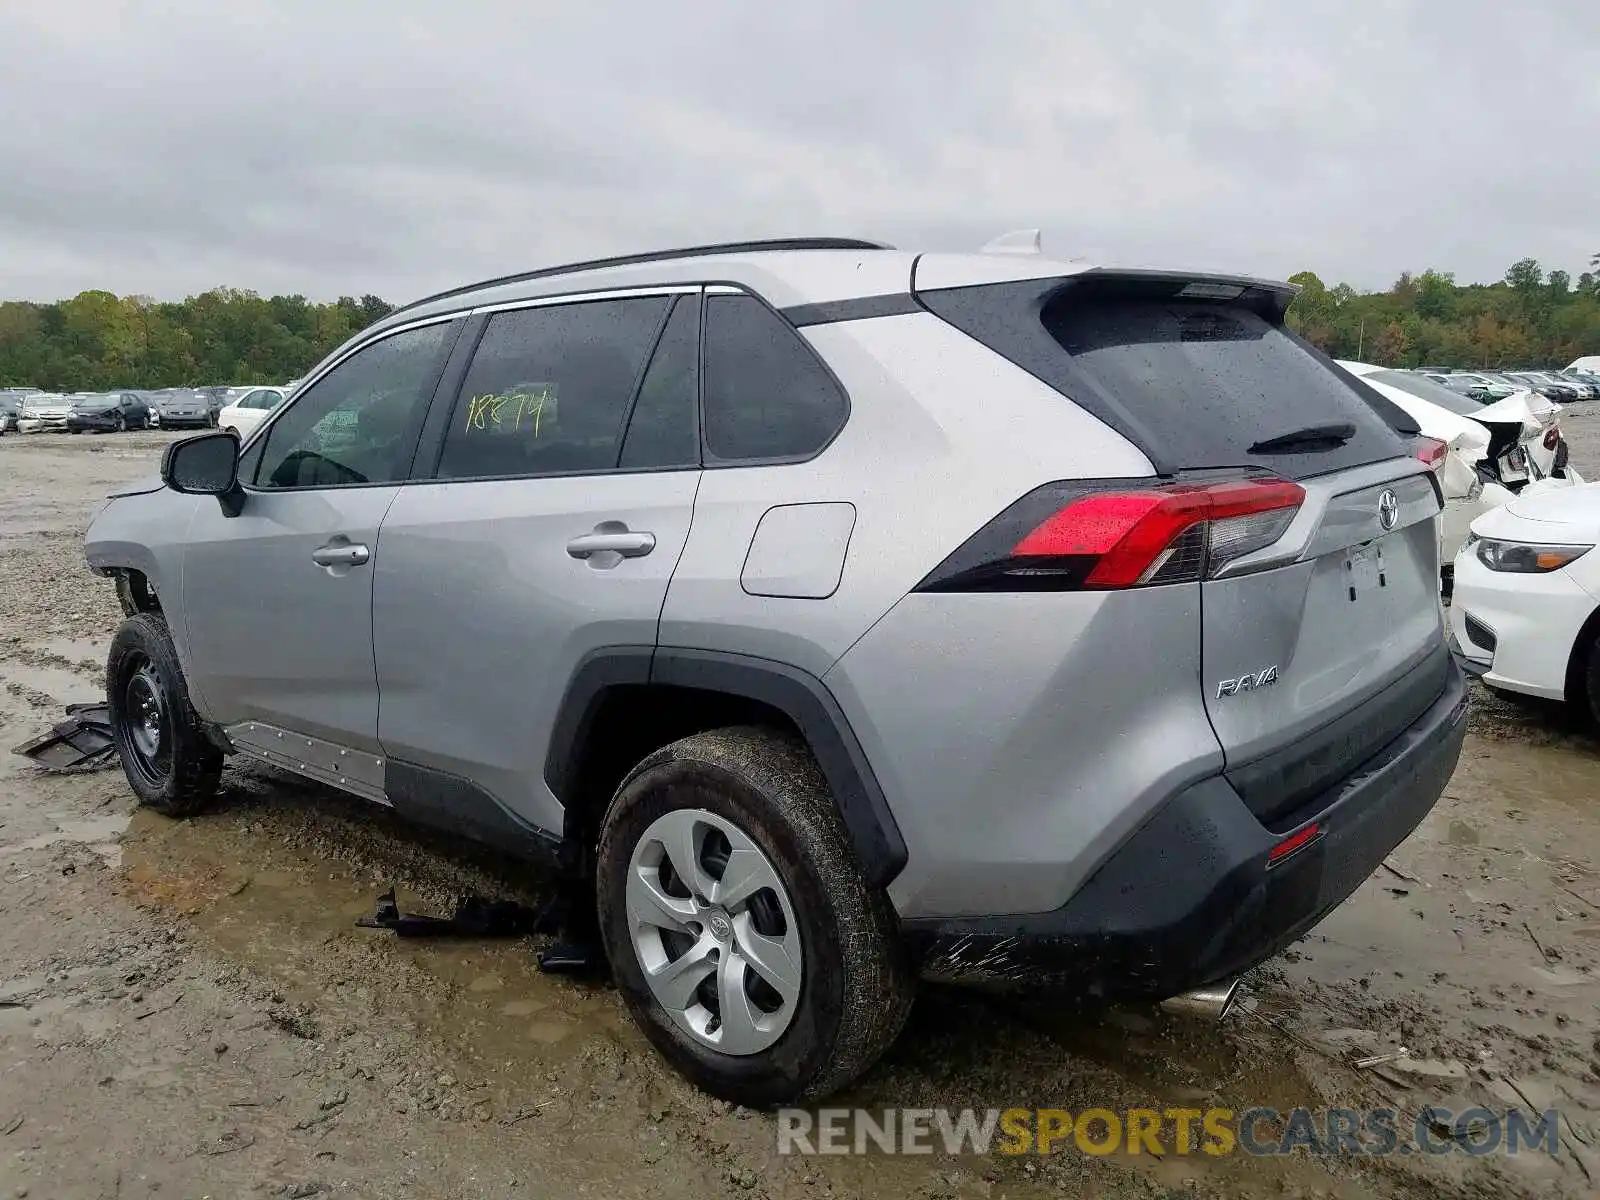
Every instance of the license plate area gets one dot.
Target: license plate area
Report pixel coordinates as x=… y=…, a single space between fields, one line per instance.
x=1514 y=465
x=1364 y=569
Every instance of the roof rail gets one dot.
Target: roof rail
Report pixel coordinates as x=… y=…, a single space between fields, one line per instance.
x=628 y=260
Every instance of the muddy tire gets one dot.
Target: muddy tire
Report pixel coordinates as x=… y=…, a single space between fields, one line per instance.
x=172 y=766
x=799 y=986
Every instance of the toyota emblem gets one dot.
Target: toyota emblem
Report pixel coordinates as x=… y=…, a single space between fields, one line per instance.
x=1388 y=509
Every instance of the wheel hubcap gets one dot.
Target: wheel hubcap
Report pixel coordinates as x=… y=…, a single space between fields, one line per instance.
x=714 y=931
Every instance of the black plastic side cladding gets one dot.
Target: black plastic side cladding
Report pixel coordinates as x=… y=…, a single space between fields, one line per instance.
x=459 y=806
x=802 y=697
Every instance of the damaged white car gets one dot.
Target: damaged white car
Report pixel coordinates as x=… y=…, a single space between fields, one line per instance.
x=44 y=412
x=1493 y=451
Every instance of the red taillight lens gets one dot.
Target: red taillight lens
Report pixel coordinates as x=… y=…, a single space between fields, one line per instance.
x=1125 y=533
x=1298 y=840
x=1431 y=452
x=1120 y=538
x=1552 y=437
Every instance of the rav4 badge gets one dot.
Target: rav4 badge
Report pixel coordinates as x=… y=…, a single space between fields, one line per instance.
x=1248 y=682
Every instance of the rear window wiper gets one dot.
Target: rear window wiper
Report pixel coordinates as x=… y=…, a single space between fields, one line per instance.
x=1312 y=437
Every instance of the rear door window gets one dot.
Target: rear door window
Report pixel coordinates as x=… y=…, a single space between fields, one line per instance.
x=1194 y=383
x=548 y=389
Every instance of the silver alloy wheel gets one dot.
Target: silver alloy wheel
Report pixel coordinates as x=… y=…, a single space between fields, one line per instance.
x=714 y=931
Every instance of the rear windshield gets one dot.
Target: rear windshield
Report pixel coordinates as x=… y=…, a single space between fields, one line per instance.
x=1195 y=384
x=1427 y=389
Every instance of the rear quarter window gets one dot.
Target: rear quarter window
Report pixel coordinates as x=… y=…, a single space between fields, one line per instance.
x=766 y=395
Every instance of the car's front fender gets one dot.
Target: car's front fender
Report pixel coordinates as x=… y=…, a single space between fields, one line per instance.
x=145 y=532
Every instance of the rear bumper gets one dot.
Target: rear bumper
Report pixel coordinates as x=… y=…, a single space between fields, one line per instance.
x=1189 y=899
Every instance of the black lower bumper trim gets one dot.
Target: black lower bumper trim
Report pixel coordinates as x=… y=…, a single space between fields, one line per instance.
x=1189 y=899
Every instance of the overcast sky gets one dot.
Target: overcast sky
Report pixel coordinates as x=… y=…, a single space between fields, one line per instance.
x=397 y=147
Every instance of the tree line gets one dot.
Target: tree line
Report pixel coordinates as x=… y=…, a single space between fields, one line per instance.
x=97 y=340
x=1530 y=318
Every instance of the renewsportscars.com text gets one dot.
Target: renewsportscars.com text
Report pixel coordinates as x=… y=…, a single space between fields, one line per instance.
x=1261 y=1131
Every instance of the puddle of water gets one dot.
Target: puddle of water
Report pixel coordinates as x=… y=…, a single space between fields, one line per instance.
x=1527 y=778
x=76 y=649
x=277 y=910
x=101 y=834
x=60 y=684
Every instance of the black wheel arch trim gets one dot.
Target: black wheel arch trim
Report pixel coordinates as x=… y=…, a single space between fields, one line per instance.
x=796 y=693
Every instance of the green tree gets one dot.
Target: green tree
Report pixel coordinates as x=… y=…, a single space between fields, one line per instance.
x=225 y=335
x=1525 y=275
x=1436 y=293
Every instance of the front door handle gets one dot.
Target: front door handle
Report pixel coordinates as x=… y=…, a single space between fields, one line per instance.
x=626 y=542
x=343 y=554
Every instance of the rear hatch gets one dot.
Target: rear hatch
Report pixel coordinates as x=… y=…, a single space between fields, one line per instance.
x=1320 y=636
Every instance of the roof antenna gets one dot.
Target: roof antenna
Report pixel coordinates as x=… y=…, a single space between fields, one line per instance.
x=1018 y=241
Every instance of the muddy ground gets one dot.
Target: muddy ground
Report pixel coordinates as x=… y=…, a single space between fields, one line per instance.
x=187 y=1009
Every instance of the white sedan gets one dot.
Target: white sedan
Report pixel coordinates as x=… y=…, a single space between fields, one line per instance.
x=1526 y=611
x=245 y=414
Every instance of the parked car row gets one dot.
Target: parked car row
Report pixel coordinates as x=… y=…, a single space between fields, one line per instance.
x=30 y=410
x=1489 y=386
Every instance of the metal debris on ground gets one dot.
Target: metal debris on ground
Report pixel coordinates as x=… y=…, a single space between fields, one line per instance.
x=475 y=917
x=576 y=951
x=81 y=742
x=1374 y=1060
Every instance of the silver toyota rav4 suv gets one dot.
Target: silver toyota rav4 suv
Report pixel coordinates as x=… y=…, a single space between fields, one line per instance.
x=836 y=615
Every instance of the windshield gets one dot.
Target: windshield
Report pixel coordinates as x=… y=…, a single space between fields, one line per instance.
x=1426 y=389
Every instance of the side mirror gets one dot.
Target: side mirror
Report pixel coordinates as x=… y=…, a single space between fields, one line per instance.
x=207 y=465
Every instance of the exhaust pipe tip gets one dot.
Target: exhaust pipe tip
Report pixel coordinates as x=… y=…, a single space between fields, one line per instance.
x=1210 y=1003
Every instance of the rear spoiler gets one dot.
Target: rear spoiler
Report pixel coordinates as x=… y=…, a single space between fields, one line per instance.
x=1269 y=298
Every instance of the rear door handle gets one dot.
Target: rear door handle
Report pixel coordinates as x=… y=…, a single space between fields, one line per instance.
x=342 y=555
x=625 y=542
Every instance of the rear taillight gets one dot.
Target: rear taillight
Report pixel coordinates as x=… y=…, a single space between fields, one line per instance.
x=1069 y=537
x=1431 y=452
x=1552 y=437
